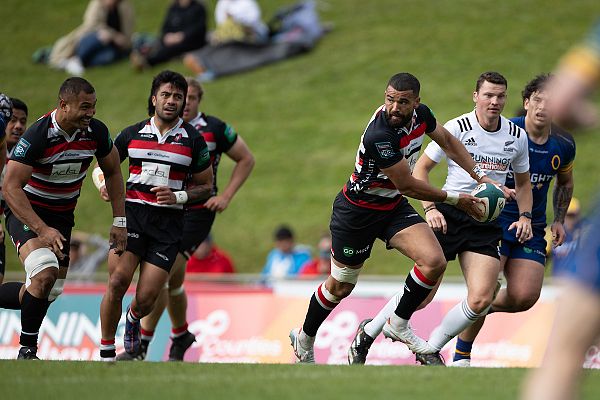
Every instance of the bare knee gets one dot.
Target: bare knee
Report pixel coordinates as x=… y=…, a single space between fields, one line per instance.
x=341 y=289
x=117 y=285
x=525 y=303
x=478 y=303
x=434 y=267
x=145 y=301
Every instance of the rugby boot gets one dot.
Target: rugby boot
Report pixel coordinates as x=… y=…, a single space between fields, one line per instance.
x=131 y=337
x=408 y=337
x=139 y=356
x=180 y=345
x=430 y=359
x=304 y=353
x=359 y=348
x=27 y=353
x=465 y=362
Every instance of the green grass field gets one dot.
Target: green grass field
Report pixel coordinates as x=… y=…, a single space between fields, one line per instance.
x=94 y=380
x=303 y=117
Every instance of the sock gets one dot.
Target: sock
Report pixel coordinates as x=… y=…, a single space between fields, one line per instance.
x=33 y=311
x=146 y=337
x=132 y=316
x=416 y=289
x=9 y=295
x=374 y=327
x=456 y=320
x=463 y=350
x=107 y=349
x=178 y=332
x=321 y=304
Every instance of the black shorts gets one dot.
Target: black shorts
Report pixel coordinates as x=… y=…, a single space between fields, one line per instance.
x=354 y=229
x=466 y=234
x=20 y=233
x=196 y=227
x=154 y=233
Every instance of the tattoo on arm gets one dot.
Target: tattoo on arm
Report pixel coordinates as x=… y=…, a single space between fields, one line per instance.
x=561 y=199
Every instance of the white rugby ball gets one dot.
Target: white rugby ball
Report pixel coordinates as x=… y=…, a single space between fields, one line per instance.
x=493 y=201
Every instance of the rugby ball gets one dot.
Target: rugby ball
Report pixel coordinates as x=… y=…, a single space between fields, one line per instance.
x=493 y=201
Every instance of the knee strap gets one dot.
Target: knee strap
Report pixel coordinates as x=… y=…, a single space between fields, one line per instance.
x=176 y=291
x=345 y=274
x=37 y=261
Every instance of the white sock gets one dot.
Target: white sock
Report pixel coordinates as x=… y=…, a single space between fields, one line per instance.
x=374 y=327
x=456 y=320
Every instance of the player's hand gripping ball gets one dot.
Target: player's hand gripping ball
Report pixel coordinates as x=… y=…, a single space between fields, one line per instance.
x=493 y=201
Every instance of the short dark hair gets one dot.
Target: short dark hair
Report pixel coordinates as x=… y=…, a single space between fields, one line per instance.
x=18 y=104
x=283 y=232
x=166 y=76
x=491 y=77
x=73 y=86
x=535 y=85
x=404 y=81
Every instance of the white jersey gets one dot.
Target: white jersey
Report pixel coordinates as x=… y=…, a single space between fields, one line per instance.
x=494 y=152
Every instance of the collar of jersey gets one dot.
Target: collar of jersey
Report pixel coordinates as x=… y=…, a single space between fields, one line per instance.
x=200 y=119
x=62 y=132
x=161 y=137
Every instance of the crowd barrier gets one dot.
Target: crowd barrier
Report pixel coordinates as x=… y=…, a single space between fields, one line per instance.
x=250 y=323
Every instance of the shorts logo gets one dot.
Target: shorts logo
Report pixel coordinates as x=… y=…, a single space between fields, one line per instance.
x=527 y=250
x=25 y=228
x=348 y=251
x=21 y=148
x=162 y=256
x=385 y=149
x=133 y=235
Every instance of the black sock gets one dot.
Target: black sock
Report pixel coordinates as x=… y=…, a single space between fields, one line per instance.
x=9 y=295
x=414 y=294
x=315 y=316
x=33 y=311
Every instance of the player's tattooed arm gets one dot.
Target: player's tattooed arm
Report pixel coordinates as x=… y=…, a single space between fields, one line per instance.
x=563 y=192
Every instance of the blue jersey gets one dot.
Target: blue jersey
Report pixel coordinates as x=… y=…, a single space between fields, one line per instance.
x=545 y=161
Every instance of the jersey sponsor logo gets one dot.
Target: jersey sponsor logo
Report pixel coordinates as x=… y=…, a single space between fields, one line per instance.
x=154 y=174
x=491 y=163
x=541 y=178
x=21 y=148
x=65 y=171
x=204 y=156
x=471 y=142
x=385 y=149
x=230 y=133
x=157 y=154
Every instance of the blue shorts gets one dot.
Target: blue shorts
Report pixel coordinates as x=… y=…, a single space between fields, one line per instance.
x=583 y=264
x=534 y=249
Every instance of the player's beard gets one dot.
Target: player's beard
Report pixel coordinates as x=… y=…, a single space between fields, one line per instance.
x=402 y=123
x=168 y=118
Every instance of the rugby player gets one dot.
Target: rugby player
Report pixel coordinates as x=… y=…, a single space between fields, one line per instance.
x=372 y=205
x=41 y=187
x=164 y=152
